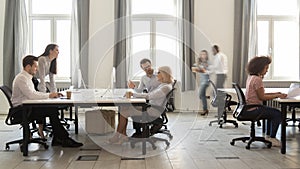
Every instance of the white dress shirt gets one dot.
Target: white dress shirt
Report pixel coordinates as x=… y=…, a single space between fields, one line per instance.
x=23 y=89
x=220 y=63
x=150 y=83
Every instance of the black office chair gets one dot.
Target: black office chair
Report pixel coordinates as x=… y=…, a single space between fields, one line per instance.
x=228 y=104
x=240 y=113
x=148 y=124
x=14 y=117
x=171 y=104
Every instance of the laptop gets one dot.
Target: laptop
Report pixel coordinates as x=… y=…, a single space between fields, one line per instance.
x=294 y=91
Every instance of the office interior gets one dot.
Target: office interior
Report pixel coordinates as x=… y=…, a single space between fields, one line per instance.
x=197 y=145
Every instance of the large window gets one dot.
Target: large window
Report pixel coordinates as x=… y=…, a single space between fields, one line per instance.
x=153 y=35
x=50 y=22
x=278 y=37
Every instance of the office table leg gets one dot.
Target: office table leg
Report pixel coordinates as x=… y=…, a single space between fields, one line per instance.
x=26 y=131
x=76 y=120
x=283 y=128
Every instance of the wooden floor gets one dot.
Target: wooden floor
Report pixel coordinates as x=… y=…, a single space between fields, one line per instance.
x=195 y=145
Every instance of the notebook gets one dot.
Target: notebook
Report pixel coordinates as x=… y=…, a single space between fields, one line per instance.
x=294 y=90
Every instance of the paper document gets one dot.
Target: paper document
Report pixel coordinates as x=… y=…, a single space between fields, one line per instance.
x=294 y=90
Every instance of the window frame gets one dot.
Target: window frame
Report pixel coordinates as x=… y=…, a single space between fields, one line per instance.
x=53 y=25
x=271 y=19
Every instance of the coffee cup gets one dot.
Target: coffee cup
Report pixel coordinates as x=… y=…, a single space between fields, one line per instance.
x=69 y=94
x=128 y=94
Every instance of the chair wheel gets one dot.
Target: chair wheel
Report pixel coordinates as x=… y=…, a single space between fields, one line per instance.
x=221 y=126
x=244 y=141
x=247 y=147
x=232 y=143
x=68 y=126
x=46 y=146
x=209 y=124
x=236 y=125
x=7 y=147
x=269 y=145
x=168 y=144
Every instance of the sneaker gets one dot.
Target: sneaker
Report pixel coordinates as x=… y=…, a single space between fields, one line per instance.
x=275 y=142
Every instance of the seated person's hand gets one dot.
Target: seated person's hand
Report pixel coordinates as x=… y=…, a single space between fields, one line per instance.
x=55 y=95
x=130 y=84
x=282 y=96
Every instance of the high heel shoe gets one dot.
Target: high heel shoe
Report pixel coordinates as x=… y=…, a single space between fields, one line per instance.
x=205 y=112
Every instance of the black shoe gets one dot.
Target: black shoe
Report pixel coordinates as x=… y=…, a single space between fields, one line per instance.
x=155 y=128
x=68 y=142
x=56 y=142
x=137 y=135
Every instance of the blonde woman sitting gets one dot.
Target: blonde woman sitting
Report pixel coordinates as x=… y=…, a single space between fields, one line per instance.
x=156 y=97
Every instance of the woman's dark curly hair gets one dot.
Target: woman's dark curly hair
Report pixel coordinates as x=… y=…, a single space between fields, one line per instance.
x=257 y=64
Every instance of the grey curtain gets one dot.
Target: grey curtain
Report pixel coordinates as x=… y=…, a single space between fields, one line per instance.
x=120 y=44
x=245 y=38
x=79 y=42
x=188 y=54
x=14 y=40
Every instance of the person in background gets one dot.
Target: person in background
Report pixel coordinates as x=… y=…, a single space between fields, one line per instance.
x=202 y=68
x=23 y=89
x=47 y=67
x=255 y=94
x=147 y=83
x=156 y=98
x=220 y=66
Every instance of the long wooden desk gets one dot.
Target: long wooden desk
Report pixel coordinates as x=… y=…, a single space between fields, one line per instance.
x=80 y=98
x=284 y=103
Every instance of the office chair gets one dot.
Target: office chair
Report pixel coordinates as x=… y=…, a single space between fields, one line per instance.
x=240 y=113
x=170 y=104
x=148 y=124
x=228 y=104
x=14 y=117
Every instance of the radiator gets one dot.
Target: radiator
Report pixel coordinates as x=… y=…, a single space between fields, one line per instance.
x=276 y=84
x=61 y=86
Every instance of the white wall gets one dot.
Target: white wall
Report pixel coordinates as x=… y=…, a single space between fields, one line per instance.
x=101 y=42
x=214 y=19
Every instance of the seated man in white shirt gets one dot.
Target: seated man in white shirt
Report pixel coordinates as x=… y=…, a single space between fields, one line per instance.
x=23 y=89
x=147 y=83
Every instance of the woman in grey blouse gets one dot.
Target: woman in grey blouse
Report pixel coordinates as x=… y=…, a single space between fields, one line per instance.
x=48 y=66
x=156 y=97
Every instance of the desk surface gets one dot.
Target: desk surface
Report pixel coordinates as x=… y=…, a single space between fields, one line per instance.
x=90 y=96
x=267 y=90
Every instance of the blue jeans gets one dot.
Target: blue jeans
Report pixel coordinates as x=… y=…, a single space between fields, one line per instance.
x=202 y=90
x=273 y=115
